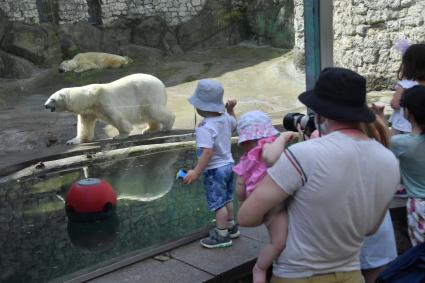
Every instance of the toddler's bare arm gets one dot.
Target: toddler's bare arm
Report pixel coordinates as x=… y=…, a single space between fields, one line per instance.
x=230 y=107
x=193 y=174
x=272 y=151
x=395 y=101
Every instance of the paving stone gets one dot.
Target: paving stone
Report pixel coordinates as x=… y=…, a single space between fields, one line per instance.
x=256 y=233
x=153 y=271
x=218 y=261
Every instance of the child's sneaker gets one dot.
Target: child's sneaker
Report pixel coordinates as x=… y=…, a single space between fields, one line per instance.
x=216 y=241
x=234 y=232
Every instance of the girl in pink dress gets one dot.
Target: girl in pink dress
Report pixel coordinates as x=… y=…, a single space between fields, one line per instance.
x=255 y=130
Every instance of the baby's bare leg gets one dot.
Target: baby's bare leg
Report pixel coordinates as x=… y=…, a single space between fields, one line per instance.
x=240 y=189
x=278 y=231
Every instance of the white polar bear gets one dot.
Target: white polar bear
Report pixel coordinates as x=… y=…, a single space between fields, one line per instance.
x=93 y=60
x=134 y=99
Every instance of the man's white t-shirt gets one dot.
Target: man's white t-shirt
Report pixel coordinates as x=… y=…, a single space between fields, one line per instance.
x=216 y=133
x=341 y=188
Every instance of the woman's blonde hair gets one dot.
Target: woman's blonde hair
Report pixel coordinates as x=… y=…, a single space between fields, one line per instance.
x=378 y=130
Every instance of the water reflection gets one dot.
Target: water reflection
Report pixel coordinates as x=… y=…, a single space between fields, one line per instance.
x=94 y=236
x=146 y=178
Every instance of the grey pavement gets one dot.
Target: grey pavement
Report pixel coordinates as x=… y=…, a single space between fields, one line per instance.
x=192 y=263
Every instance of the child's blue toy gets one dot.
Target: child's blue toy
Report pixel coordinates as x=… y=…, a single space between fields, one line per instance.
x=181 y=174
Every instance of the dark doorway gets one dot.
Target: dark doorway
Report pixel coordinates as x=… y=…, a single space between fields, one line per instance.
x=95 y=11
x=48 y=11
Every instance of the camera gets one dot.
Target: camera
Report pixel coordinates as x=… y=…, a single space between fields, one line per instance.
x=306 y=122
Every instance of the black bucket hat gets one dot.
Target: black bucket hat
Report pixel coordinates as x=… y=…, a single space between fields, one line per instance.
x=339 y=94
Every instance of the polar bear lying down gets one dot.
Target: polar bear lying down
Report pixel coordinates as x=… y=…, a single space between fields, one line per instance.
x=93 y=60
x=134 y=99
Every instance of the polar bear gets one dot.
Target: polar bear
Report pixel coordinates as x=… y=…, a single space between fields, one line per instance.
x=93 y=60
x=134 y=99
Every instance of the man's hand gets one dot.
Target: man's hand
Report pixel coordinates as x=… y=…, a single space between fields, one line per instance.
x=190 y=177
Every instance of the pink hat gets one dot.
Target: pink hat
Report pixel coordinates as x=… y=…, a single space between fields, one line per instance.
x=255 y=125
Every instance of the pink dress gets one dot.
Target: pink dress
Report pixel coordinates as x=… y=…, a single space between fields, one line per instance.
x=251 y=167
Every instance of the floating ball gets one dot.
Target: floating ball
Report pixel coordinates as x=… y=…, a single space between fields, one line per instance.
x=90 y=199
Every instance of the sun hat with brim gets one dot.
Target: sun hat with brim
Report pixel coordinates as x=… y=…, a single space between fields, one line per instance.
x=339 y=94
x=208 y=96
x=255 y=125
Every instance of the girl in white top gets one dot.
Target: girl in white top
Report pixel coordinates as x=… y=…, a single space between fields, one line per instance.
x=409 y=74
x=399 y=124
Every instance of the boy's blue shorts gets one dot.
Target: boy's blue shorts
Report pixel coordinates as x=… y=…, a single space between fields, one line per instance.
x=219 y=186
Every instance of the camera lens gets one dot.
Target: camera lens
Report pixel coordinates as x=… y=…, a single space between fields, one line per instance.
x=306 y=122
x=291 y=120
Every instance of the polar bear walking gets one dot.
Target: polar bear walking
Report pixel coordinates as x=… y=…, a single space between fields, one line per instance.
x=134 y=99
x=93 y=60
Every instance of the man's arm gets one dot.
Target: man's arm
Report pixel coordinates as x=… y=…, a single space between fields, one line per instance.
x=375 y=229
x=264 y=198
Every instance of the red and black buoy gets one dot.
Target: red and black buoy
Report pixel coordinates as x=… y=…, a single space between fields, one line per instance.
x=90 y=199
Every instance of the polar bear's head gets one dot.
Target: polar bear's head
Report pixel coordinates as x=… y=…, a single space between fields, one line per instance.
x=67 y=65
x=57 y=101
x=128 y=60
x=73 y=99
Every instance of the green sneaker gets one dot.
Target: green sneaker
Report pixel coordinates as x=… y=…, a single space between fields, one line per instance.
x=234 y=232
x=216 y=241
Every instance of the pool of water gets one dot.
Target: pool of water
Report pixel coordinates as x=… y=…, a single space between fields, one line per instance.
x=39 y=244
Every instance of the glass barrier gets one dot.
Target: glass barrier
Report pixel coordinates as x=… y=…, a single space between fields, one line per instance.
x=153 y=209
x=51 y=49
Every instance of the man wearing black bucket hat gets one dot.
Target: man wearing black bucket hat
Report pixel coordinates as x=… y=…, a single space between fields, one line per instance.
x=340 y=185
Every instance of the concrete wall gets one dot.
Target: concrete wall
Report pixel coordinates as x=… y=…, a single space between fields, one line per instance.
x=365 y=33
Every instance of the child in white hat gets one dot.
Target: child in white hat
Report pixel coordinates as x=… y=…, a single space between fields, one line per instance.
x=255 y=131
x=215 y=161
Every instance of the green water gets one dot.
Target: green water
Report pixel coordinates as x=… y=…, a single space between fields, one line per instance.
x=39 y=244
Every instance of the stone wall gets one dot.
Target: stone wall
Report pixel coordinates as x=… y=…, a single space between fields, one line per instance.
x=72 y=11
x=23 y=11
x=365 y=33
x=173 y=12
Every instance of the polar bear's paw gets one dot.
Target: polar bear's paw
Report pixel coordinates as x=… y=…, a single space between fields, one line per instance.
x=75 y=140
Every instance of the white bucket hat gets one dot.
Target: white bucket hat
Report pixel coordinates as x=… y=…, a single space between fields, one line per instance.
x=255 y=125
x=208 y=96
